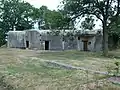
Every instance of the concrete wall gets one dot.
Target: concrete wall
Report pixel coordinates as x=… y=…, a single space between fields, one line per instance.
x=95 y=44
x=91 y=46
x=37 y=40
x=16 y=39
x=70 y=43
x=81 y=43
x=98 y=43
x=34 y=39
x=55 y=43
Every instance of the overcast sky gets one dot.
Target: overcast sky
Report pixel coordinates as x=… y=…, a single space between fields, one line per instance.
x=51 y=4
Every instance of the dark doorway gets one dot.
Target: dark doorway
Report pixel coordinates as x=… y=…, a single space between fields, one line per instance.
x=85 y=45
x=78 y=38
x=27 y=44
x=46 y=45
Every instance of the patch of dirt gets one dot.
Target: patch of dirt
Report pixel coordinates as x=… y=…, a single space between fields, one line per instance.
x=115 y=80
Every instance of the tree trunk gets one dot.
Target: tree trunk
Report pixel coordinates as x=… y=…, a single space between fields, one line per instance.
x=105 y=39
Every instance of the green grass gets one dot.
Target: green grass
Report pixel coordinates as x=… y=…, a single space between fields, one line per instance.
x=88 y=60
x=26 y=69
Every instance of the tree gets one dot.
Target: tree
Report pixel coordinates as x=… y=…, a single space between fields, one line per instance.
x=114 y=32
x=2 y=36
x=14 y=13
x=42 y=22
x=88 y=23
x=102 y=9
x=51 y=19
x=56 y=20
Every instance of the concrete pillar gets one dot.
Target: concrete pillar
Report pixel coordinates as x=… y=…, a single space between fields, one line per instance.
x=44 y=45
x=8 y=44
x=63 y=45
x=14 y=29
x=49 y=45
x=78 y=44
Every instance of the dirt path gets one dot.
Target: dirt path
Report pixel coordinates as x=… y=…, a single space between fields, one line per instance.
x=66 y=66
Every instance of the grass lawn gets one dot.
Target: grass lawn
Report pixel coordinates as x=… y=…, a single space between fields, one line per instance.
x=89 y=60
x=26 y=70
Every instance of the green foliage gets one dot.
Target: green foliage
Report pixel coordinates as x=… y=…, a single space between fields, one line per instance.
x=116 y=68
x=14 y=13
x=115 y=25
x=52 y=19
x=88 y=23
x=102 y=9
x=114 y=31
x=2 y=37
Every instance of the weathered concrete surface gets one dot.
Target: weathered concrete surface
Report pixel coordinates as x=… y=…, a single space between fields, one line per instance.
x=36 y=39
x=16 y=39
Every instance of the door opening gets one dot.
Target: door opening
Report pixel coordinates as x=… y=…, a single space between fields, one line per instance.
x=85 y=45
x=46 y=45
x=27 y=44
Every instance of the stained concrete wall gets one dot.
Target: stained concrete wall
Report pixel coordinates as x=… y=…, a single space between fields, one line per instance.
x=92 y=41
x=16 y=39
x=55 y=43
x=70 y=44
x=37 y=40
x=34 y=39
x=95 y=43
x=98 y=43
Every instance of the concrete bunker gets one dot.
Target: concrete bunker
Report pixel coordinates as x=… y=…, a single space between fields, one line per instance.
x=43 y=40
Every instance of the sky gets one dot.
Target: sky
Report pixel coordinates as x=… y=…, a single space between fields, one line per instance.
x=51 y=4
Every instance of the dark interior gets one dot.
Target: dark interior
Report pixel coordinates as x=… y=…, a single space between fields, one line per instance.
x=85 y=45
x=46 y=45
x=27 y=44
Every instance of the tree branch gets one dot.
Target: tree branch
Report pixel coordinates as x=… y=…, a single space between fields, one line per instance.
x=99 y=18
x=117 y=14
x=118 y=8
x=106 y=8
x=99 y=7
x=91 y=14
